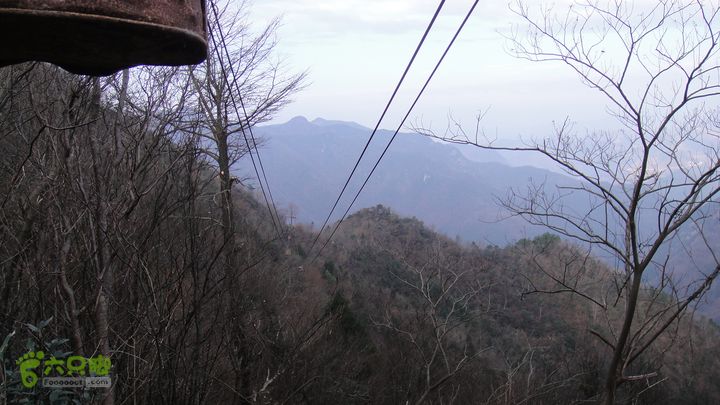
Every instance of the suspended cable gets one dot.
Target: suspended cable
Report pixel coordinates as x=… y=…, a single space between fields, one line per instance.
x=262 y=167
x=270 y=203
x=427 y=82
x=377 y=125
x=247 y=120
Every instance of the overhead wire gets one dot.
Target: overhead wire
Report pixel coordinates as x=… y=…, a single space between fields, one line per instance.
x=377 y=125
x=392 y=139
x=269 y=202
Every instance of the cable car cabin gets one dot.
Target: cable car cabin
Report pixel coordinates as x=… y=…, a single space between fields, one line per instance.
x=100 y=37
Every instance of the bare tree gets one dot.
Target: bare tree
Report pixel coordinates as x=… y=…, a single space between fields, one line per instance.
x=448 y=290
x=109 y=223
x=657 y=66
x=240 y=85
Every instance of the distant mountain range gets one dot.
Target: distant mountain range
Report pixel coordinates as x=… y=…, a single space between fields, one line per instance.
x=450 y=190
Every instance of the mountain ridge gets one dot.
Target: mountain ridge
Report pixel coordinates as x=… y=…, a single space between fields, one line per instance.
x=309 y=161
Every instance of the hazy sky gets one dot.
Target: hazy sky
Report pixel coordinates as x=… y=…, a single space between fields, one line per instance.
x=356 y=50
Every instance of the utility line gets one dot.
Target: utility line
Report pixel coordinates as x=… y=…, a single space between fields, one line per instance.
x=268 y=202
x=262 y=170
x=372 y=135
x=427 y=82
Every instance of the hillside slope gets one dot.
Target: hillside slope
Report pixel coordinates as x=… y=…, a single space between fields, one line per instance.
x=401 y=284
x=308 y=163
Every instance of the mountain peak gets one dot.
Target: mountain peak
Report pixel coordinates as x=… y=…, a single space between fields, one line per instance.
x=321 y=122
x=298 y=120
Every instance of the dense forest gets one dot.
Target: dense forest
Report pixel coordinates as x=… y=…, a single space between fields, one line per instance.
x=139 y=265
x=121 y=235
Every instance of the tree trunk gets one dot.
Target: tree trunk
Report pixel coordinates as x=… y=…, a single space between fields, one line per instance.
x=226 y=203
x=615 y=371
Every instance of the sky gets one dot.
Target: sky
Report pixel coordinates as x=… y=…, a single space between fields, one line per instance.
x=355 y=51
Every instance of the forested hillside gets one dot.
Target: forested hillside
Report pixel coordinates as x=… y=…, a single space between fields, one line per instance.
x=114 y=240
x=456 y=196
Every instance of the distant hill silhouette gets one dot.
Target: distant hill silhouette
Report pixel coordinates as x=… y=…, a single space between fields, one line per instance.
x=452 y=190
x=308 y=163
